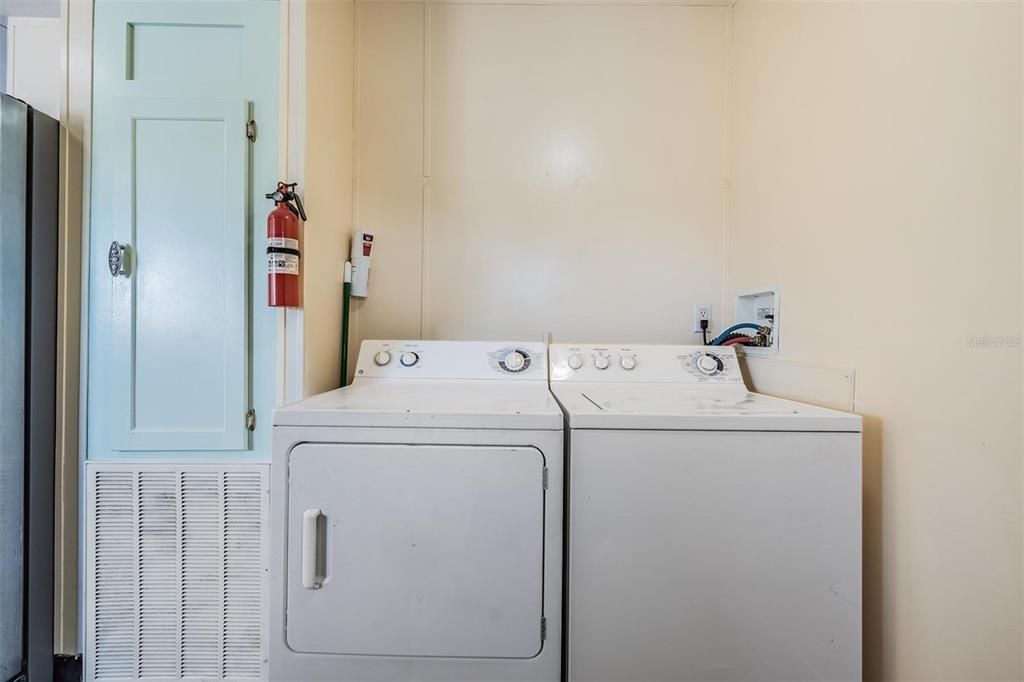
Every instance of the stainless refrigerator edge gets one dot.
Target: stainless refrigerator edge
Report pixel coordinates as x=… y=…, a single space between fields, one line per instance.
x=29 y=170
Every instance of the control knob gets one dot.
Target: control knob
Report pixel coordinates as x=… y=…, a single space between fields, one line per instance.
x=515 y=361
x=709 y=364
x=409 y=358
x=627 y=362
x=382 y=358
x=575 y=361
x=601 y=361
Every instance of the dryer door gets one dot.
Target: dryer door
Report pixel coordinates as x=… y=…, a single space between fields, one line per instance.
x=415 y=550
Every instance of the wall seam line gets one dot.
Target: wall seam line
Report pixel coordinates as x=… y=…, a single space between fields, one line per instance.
x=425 y=165
x=727 y=199
x=357 y=305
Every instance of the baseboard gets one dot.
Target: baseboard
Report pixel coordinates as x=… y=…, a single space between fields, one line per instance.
x=67 y=668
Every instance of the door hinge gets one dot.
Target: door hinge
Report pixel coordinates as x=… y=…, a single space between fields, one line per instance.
x=543 y=628
x=250 y=130
x=544 y=478
x=250 y=420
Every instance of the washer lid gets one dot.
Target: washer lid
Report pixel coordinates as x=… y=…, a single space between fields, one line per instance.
x=676 y=407
x=429 y=404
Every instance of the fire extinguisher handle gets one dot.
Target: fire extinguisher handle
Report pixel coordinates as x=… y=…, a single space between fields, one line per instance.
x=285 y=194
x=298 y=204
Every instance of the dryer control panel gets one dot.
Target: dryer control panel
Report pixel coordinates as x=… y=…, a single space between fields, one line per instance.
x=645 y=364
x=466 y=360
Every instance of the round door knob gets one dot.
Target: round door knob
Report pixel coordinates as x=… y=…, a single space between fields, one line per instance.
x=627 y=362
x=409 y=358
x=708 y=364
x=575 y=361
x=601 y=361
x=515 y=361
x=382 y=358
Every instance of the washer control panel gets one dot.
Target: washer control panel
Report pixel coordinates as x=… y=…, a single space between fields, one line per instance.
x=645 y=364
x=452 y=360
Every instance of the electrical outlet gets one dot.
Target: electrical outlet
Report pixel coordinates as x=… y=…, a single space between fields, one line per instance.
x=701 y=311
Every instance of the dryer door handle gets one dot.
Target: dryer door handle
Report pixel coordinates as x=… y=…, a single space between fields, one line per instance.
x=311 y=578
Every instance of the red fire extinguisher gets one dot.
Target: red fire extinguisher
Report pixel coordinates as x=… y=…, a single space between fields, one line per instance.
x=283 y=247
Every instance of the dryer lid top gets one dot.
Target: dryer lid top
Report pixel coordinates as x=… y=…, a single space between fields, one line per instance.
x=438 y=384
x=428 y=404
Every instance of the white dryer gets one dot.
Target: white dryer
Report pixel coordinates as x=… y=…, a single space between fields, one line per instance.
x=714 y=534
x=417 y=520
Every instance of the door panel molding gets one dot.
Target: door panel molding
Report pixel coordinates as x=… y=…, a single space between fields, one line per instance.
x=170 y=357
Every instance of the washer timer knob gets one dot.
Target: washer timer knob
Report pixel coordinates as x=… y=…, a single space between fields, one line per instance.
x=627 y=362
x=382 y=358
x=515 y=361
x=709 y=364
x=409 y=359
x=575 y=361
x=601 y=361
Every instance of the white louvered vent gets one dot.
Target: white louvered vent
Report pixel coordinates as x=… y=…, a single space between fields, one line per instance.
x=176 y=585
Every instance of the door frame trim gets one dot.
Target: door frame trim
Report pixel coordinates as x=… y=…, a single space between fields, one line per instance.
x=291 y=160
x=72 y=298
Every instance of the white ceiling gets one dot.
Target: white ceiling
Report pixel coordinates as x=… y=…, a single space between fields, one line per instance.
x=28 y=8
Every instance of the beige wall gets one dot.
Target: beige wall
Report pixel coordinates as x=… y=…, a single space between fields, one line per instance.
x=328 y=170
x=876 y=174
x=596 y=169
x=533 y=168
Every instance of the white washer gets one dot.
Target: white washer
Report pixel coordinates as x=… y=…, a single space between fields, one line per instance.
x=417 y=520
x=714 y=534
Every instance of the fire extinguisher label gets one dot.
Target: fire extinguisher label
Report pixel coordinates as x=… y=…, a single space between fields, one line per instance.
x=282 y=243
x=282 y=256
x=282 y=264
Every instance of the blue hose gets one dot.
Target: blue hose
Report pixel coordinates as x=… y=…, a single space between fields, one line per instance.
x=724 y=336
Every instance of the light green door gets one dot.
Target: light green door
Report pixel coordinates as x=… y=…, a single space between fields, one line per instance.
x=181 y=344
x=179 y=324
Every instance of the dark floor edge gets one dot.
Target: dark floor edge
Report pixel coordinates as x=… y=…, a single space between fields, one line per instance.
x=67 y=668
